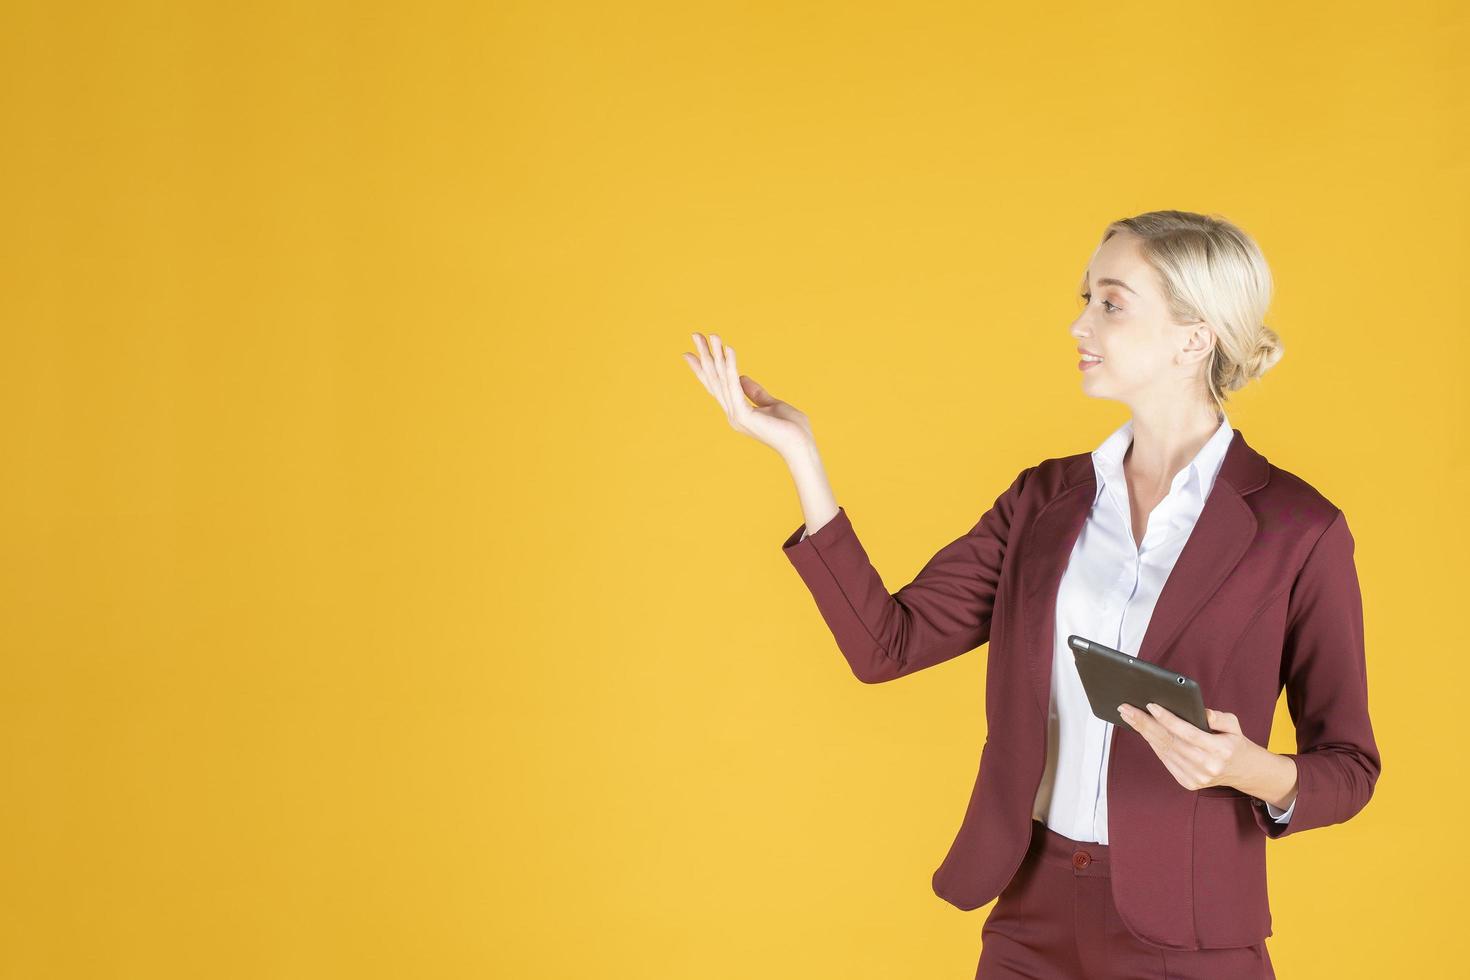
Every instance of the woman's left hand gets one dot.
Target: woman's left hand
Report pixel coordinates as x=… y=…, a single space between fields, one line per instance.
x=1196 y=758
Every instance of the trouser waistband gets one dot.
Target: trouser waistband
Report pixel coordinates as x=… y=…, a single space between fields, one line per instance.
x=1085 y=858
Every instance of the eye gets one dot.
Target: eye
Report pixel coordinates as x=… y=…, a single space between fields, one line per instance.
x=1106 y=304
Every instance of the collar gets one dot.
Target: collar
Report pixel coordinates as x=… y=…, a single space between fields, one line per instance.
x=1199 y=473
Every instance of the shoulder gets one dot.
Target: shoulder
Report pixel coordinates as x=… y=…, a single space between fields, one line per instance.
x=1288 y=503
x=1053 y=475
x=1042 y=482
x=1284 y=485
x=1297 y=516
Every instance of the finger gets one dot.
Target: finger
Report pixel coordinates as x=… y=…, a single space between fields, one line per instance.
x=701 y=346
x=1189 y=757
x=1141 y=721
x=1180 y=758
x=693 y=361
x=718 y=368
x=706 y=362
x=1222 y=720
x=1143 y=724
x=1173 y=724
x=715 y=366
x=732 y=383
x=1181 y=775
x=1166 y=744
x=738 y=401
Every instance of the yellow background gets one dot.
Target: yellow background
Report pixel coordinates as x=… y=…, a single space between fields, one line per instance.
x=384 y=597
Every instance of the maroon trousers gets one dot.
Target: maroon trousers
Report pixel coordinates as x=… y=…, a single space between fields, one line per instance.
x=1056 y=921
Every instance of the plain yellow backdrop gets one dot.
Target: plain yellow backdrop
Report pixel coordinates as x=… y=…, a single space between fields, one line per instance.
x=384 y=597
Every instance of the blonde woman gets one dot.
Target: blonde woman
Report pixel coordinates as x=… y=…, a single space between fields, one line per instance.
x=1133 y=847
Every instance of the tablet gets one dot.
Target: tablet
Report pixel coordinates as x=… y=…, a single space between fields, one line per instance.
x=1111 y=678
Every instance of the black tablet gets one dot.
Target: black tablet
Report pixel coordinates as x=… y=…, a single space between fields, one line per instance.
x=1111 y=678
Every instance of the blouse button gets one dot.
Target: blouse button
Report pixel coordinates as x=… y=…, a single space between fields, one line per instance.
x=1081 y=859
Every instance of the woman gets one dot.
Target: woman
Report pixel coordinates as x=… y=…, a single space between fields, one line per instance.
x=1140 y=852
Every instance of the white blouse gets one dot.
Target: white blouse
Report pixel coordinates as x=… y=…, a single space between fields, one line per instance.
x=1108 y=593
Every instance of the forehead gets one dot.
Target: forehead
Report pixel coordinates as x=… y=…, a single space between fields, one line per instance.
x=1120 y=259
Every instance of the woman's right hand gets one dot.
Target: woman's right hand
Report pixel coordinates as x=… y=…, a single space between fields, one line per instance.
x=769 y=420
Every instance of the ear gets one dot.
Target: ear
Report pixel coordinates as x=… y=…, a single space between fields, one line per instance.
x=1198 y=344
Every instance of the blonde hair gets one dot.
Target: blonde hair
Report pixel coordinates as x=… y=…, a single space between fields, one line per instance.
x=1211 y=271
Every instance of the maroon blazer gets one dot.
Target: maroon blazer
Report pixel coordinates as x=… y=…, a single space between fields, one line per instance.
x=1263 y=595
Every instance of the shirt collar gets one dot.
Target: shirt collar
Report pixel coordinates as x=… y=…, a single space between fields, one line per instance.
x=1199 y=472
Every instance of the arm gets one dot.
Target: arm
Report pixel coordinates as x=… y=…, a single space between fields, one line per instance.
x=1325 y=674
x=944 y=612
x=1280 y=816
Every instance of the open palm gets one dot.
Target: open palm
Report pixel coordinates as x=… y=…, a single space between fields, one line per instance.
x=769 y=420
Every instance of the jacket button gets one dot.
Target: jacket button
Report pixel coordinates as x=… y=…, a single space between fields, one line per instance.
x=1081 y=859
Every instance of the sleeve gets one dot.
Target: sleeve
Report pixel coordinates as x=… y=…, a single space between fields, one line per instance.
x=944 y=612
x=1283 y=816
x=1324 y=671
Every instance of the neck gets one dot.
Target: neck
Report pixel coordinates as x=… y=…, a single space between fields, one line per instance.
x=1165 y=442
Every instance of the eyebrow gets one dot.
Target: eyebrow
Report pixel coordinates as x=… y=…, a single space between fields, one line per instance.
x=1112 y=282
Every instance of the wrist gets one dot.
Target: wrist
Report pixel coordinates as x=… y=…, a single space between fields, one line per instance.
x=1289 y=777
x=1276 y=781
x=802 y=454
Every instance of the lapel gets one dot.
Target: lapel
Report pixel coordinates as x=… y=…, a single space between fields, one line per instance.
x=1224 y=531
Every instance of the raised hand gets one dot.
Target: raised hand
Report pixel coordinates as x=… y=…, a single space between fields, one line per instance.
x=769 y=420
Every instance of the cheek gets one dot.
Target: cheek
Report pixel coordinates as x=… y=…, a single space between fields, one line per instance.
x=1135 y=354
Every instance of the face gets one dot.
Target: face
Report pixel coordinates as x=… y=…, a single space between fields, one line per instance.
x=1146 y=356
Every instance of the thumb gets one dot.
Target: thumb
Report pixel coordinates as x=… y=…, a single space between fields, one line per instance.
x=1222 y=721
x=756 y=393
